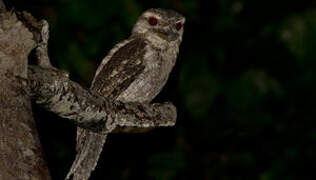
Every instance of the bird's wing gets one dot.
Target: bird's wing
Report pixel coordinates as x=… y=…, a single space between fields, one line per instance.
x=121 y=70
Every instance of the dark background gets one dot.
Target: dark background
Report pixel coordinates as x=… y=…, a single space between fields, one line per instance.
x=243 y=84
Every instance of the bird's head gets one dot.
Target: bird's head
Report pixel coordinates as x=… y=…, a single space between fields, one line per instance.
x=160 y=26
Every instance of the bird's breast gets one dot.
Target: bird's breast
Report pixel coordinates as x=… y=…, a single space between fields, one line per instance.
x=149 y=83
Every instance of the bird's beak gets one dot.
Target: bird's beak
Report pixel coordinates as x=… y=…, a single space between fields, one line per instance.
x=162 y=35
x=168 y=36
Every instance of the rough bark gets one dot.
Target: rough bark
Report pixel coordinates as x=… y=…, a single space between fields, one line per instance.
x=21 y=154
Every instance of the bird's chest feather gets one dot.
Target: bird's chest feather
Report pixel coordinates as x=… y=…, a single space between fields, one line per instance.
x=149 y=83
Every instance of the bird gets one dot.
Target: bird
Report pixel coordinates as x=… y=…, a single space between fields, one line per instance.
x=135 y=70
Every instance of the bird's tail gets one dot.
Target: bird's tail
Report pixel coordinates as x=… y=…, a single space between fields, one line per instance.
x=89 y=147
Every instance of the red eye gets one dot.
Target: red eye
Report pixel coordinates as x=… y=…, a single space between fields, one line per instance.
x=152 y=21
x=178 y=26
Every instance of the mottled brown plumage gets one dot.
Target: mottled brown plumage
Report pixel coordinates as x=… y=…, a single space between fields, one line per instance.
x=135 y=70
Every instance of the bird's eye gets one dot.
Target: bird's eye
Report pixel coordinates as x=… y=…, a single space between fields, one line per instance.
x=152 y=21
x=178 y=26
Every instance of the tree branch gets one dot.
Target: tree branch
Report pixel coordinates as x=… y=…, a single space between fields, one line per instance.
x=55 y=92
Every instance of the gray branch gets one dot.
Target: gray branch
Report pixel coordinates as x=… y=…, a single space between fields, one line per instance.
x=55 y=92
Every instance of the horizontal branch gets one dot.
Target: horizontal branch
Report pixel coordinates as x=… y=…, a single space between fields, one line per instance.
x=54 y=91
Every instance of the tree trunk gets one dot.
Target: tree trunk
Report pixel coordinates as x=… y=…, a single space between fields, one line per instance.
x=21 y=154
